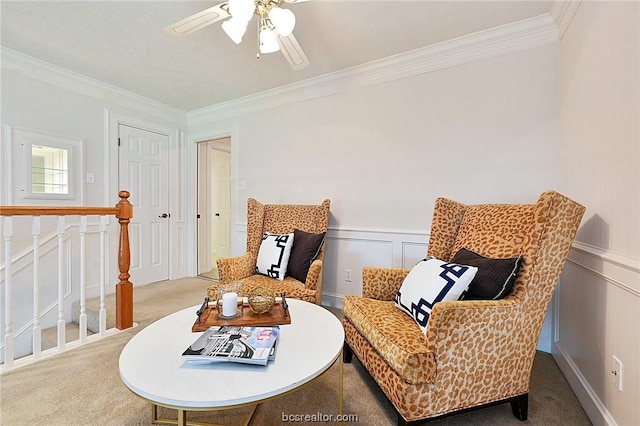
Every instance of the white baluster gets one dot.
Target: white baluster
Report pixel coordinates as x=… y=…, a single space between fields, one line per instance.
x=61 y=322
x=103 y=309
x=37 y=332
x=8 y=294
x=83 y=280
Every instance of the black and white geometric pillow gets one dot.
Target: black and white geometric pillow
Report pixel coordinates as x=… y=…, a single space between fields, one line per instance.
x=273 y=255
x=429 y=282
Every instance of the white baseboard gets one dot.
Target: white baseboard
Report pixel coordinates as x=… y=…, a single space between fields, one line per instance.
x=592 y=405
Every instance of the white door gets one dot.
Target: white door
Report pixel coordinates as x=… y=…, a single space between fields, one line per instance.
x=221 y=167
x=205 y=259
x=144 y=171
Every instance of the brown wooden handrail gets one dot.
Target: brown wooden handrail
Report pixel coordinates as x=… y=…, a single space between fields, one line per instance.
x=57 y=211
x=124 y=212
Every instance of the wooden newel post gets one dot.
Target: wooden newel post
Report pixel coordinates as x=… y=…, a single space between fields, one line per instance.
x=124 y=289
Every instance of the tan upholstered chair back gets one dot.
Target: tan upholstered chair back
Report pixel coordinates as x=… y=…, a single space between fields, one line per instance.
x=541 y=232
x=284 y=218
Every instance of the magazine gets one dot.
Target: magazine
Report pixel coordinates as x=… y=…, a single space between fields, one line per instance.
x=249 y=345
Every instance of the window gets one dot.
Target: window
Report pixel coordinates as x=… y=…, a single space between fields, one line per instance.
x=52 y=166
x=49 y=170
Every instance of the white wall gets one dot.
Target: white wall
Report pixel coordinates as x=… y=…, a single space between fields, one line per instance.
x=599 y=165
x=503 y=128
x=43 y=98
x=484 y=131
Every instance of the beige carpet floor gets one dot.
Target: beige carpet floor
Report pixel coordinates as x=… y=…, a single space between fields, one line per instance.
x=83 y=386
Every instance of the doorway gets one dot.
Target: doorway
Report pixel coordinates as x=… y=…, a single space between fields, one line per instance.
x=214 y=205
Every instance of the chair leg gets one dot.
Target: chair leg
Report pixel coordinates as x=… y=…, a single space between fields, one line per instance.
x=402 y=421
x=347 y=353
x=520 y=406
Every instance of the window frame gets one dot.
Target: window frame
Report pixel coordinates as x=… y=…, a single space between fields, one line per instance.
x=26 y=139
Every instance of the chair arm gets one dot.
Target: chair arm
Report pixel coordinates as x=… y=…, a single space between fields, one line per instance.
x=314 y=274
x=236 y=268
x=382 y=283
x=479 y=326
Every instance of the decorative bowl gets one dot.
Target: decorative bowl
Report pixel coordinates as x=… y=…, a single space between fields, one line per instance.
x=261 y=300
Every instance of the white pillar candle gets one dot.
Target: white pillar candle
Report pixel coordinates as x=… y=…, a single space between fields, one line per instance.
x=229 y=304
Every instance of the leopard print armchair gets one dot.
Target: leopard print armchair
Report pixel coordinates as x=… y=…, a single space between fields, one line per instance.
x=277 y=219
x=473 y=352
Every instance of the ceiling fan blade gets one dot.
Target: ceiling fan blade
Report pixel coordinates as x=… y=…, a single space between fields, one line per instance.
x=199 y=20
x=292 y=52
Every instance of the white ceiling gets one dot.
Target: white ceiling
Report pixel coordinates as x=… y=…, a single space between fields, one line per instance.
x=123 y=43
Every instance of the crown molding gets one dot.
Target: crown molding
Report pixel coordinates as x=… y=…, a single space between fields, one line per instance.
x=79 y=83
x=514 y=37
x=562 y=13
x=505 y=39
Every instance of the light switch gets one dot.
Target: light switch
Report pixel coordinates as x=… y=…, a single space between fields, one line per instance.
x=91 y=178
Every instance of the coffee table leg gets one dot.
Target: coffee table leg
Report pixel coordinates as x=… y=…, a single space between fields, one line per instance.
x=182 y=418
x=154 y=413
x=250 y=415
x=340 y=387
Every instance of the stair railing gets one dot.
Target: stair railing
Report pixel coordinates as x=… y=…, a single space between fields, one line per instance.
x=123 y=211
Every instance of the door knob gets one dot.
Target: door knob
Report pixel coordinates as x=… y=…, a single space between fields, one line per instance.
x=217 y=214
x=164 y=215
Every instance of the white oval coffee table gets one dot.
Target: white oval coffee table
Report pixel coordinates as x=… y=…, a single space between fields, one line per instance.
x=151 y=365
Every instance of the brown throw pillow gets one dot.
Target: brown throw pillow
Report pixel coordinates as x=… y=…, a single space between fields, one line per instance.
x=495 y=277
x=306 y=247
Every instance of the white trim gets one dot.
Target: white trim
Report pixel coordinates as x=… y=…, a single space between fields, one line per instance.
x=29 y=359
x=616 y=269
x=372 y=233
x=563 y=13
x=23 y=138
x=8 y=187
x=611 y=269
x=525 y=34
x=333 y=300
x=172 y=135
x=62 y=77
x=75 y=166
x=107 y=195
x=178 y=165
x=623 y=261
x=588 y=398
x=509 y=38
x=191 y=151
x=218 y=146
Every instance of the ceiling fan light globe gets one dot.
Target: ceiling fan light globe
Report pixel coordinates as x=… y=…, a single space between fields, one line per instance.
x=268 y=41
x=242 y=9
x=235 y=29
x=283 y=19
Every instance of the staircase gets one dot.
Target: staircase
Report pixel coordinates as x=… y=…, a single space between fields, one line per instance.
x=70 y=265
x=50 y=335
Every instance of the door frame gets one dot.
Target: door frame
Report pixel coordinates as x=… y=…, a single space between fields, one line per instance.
x=178 y=256
x=204 y=218
x=225 y=131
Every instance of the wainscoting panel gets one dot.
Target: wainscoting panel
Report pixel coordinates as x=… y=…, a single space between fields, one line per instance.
x=597 y=317
x=351 y=250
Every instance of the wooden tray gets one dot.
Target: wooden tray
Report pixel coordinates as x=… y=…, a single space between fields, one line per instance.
x=209 y=317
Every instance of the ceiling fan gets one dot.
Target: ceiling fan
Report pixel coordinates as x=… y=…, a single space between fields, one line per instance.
x=275 y=26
